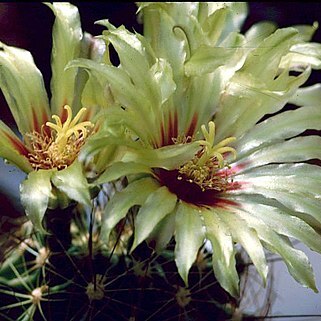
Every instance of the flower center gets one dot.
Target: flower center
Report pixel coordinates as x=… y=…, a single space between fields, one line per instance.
x=201 y=179
x=62 y=147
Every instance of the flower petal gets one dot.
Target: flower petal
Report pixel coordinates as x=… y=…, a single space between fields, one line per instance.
x=247 y=237
x=73 y=183
x=248 y=99
x=307 y=96
x=22 y=85
x=163 y=232
x=189 y=237
x=296 y=261
x=223 y=258
x=259 y=87
x=156 y=207
x=119 y=169
x=258 y=32
x=294 y=179
x=128 y=95
x=294 y=150
x=207 y=58
x=135 y=60
x=168 y=157
x=35 y=192
x=298 y=199
x=303 y=55
x=134 y=194
x=12 y=149
x=275 y=129
x=283 y=222
x=66 y=38
x=89 y=90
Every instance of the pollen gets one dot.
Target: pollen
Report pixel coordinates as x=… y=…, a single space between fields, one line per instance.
x=62 y=146
x=206 y=168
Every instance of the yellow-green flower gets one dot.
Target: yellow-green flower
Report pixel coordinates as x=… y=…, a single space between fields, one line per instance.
x=48 y=148
x=208 y=151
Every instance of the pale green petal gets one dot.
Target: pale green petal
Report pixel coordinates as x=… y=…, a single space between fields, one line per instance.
x=66 y=38
x=305 y=206
x=263 y=62
x=119 y=169
x=73 y=183
x=234 y=17
x=295 y=186
x=117 y=118
x=135 y=61
x=248 y=99
x=207 y=58
x=295 y=179
x=162 y=75
x=90 y=91
x=247 y=237
x=306 y=32
x=106 y=139
x=284 y=223
x=223 y=257
x=307 y=96
x=258 y=32
x=259 y=87
x=168 y=157
x=160 y=31
x=189 y=237
x=122 y=88
x=34 y=193
x=156 y=207
x=22 y=85
x=163 y=232
x=214 y=23
x=294 y=150
x=117 y=208
x=13 y=158
x=296 y=261
x=302 y=56
x=282 y=126
x=12 y=149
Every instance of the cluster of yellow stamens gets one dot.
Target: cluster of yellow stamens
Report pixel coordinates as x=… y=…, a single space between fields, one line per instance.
x=204 y=169
x=62 y=147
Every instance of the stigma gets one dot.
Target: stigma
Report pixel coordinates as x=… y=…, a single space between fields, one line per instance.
x=60 y=148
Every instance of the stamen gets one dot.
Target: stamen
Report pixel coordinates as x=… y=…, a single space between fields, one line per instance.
x=61 y=148
x=206 y=167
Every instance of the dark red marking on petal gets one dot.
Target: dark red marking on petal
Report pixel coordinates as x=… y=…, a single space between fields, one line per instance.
x=63 y=112
x=162 y=142
x=46 y=130
x=170 y=133
x=190 y=192
x=35 y=123
x=87 y=115
x=234 y=169
x=173 y=128
x=175 y=125
x=225 y=203
x=17 y=145
x=192 y=126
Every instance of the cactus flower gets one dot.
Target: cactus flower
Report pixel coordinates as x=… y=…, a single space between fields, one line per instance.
x=208 y=147
x=51 y=134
